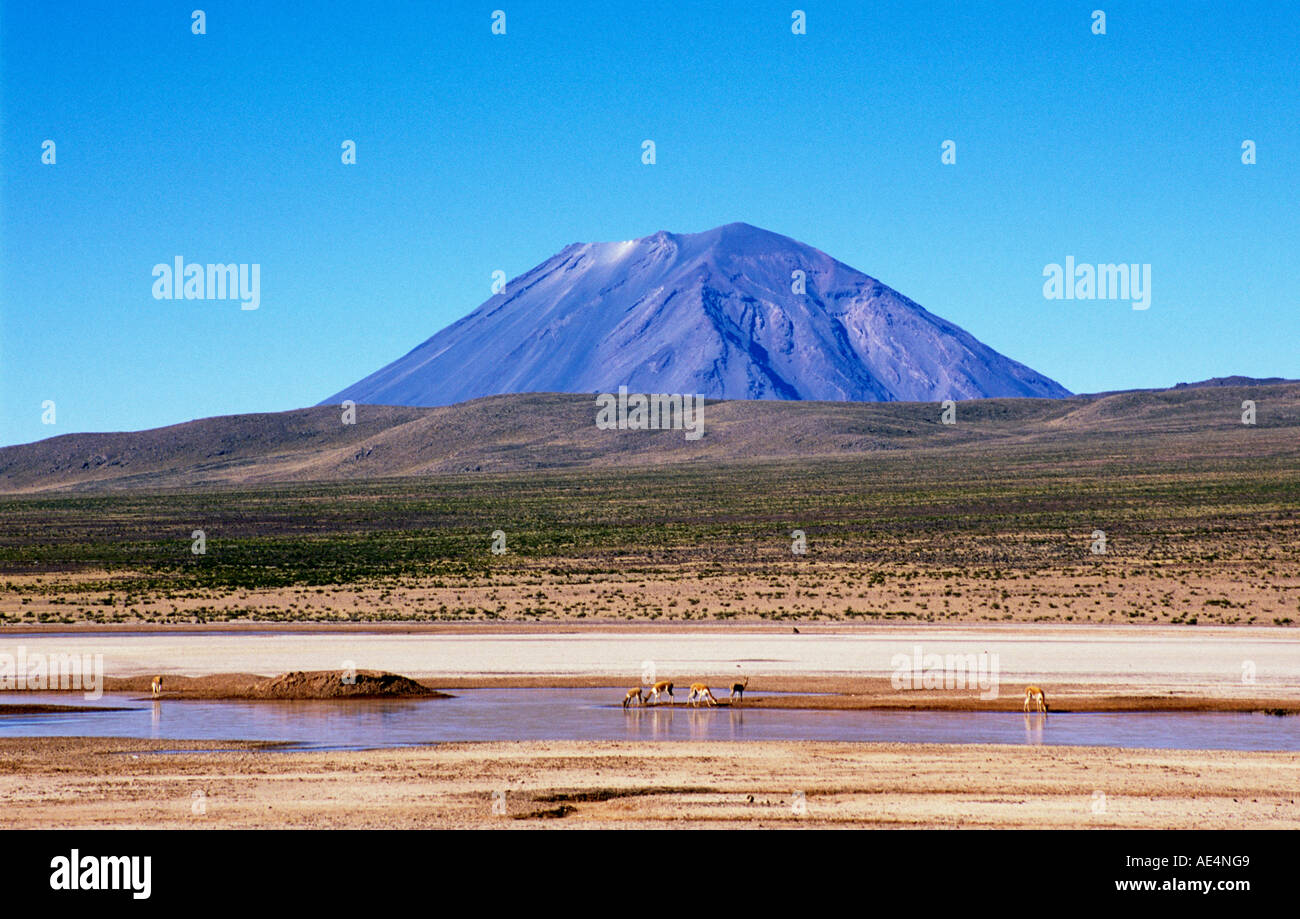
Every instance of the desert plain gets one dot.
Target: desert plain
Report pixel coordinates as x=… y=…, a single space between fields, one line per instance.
x=1120 y=548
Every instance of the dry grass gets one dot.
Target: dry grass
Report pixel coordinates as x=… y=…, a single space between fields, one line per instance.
x=989 y=521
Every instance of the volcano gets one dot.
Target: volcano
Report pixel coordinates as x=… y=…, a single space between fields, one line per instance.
x=736 y=312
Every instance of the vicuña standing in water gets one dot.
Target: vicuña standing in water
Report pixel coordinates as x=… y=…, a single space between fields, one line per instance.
x=738 y=690
x=659 y=689
x=1035 y=695
x=700 y=693
x=156 y=685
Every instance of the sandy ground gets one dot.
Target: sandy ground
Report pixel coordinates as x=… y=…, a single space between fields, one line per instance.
x=121 y=783
x=1095 y=668
x=85 y=782
x=806 y=692
x=1230 y=594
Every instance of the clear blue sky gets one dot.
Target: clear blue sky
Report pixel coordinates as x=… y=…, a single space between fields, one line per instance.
x=479 y=152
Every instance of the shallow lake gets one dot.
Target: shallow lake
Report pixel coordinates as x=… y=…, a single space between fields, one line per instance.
x=593 y=714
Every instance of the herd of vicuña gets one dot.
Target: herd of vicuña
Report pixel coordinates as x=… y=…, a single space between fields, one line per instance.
x=700 y=694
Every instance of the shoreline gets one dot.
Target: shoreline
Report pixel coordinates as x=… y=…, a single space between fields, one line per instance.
x=808 y=693
x=1081 y=667
x=110 y=782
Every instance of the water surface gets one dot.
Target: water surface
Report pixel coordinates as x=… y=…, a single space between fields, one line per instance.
x=593 y=714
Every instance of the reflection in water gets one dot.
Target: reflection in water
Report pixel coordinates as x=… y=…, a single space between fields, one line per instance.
x=661 y=722
x=701 y=721
x=736 y=720
x=594 y=714
x=656 y=722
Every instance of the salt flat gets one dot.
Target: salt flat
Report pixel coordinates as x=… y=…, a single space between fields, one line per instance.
x=1213 y=661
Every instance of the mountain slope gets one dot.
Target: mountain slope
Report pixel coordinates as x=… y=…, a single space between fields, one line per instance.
x=710 y=313
x=534 y=431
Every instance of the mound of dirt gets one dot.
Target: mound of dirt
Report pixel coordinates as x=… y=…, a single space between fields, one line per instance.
x=333 y=684
x=300 y=684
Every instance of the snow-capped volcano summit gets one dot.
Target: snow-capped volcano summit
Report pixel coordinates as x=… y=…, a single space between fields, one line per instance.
x=719 y=313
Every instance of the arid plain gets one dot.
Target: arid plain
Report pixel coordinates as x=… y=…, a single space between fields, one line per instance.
x=993 y=522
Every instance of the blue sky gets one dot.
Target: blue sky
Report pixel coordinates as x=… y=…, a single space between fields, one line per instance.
x=478 y=152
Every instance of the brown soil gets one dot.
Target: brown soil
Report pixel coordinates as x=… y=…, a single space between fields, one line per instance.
x=98 y=782
x=318 y=684
x=825 y=693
